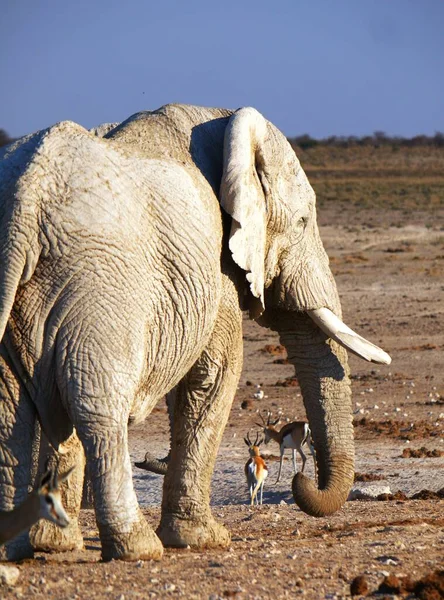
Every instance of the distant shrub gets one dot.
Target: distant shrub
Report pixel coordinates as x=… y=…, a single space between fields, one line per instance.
x=439 y=139
x=378 y=139
x=304 y=141
x=4 y=138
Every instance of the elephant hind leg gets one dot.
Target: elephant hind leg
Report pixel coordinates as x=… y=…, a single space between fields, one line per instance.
x=124 y=532
x=203 y=403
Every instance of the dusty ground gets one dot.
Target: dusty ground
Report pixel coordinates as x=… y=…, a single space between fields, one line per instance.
x=389 y=267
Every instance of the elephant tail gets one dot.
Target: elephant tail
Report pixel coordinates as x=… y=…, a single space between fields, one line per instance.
x=19 y=200
x=155 y=465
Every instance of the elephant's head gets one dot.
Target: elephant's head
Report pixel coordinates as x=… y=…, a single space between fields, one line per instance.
x=275 y=239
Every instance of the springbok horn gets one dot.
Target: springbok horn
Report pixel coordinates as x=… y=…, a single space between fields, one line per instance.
x=263 y=424
x=330 y=324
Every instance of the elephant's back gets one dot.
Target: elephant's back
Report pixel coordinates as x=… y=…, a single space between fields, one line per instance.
x=191 y=135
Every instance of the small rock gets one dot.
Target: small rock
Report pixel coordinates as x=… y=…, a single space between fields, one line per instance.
x=370 y=491
x=282 y=502
x=359 y=586
x=8 y=575
x=169 y=587
x=388 y=560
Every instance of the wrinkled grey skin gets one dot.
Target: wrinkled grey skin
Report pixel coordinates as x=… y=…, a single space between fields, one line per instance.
x=122 y=279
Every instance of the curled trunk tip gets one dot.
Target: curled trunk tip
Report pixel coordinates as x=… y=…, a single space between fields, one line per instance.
x=320 y=503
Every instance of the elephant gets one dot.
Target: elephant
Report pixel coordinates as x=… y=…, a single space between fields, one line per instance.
x=128 y=254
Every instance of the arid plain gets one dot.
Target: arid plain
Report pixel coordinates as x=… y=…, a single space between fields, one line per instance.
x=381 y=214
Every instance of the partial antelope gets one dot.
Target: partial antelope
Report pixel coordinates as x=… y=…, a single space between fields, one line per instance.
x=255 y=469
x=43 y=503
x=292 y=435
x=259 y=393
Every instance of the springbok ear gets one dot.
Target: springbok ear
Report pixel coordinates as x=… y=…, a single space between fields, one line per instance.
x=242 y=196
x=64 y=476
x=46 y=479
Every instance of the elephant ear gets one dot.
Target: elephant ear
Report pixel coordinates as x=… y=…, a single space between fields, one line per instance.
x=242 y=197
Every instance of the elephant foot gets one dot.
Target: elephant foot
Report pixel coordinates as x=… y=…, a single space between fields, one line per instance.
x=180 y=533
x=47 y=537
x=139 y=543
x=19 y=549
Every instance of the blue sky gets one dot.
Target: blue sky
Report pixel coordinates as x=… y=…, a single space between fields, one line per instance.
x=323 y=67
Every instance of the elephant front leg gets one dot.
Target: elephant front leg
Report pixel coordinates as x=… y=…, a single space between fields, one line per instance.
x=123 y=530
x=46 y=536
x=203 y=403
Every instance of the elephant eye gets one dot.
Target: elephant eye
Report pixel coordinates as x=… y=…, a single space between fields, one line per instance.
x=303 y=222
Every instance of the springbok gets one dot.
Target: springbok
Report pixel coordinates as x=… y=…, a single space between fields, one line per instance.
x=259 y=393
x=292 y=435
x=255 y=469
x=43 y=503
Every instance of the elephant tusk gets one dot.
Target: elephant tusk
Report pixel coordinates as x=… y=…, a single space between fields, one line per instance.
x=326 y=320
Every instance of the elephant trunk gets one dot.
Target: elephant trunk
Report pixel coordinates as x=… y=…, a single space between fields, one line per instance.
x=322 y=370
